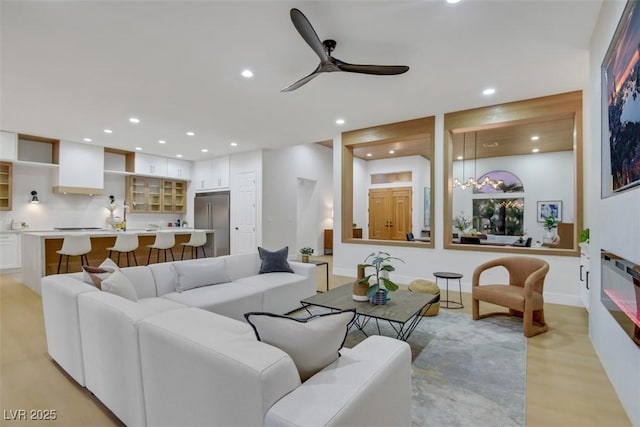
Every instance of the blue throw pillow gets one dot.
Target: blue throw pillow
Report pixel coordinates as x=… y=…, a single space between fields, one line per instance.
x=273 y=262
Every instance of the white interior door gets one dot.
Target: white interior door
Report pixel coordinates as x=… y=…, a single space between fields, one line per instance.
x=243 y=228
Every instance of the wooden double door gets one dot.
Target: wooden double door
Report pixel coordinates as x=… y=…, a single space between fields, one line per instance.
x=390 y=213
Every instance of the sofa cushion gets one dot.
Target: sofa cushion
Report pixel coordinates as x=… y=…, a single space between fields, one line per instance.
x=142 y=280
x=312 y=343
x=276 y=261
x=119 y=284
x=190 y=275
x=227 y=299
x=159 y=305
x=242 y=265
x=95 y=275
x=281 y=292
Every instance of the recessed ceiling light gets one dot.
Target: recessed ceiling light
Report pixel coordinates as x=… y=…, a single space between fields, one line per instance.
x=247 y=73
x=190 y=133
x=489 y=91
x=535 y=150
x=392 y=151
x=535 y=138
x=87 y=139
x=204 y=150
x=459 y=157
x=108 y=131
x=139 y=148
x=369 y=154
x=134 y=120
x=233 y=144
x=340 y=121
x=178 y=155
x=162 y=141
x=453 y=1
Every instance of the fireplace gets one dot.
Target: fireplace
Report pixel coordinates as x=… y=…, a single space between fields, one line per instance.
x=620 y=292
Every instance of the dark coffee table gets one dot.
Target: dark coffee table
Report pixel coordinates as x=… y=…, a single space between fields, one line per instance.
x=402 y=312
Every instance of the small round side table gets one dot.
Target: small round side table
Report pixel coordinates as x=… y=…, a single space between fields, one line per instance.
x=448 y=275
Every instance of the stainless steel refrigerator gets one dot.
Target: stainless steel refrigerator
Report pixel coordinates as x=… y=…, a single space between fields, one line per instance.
x=212 y=213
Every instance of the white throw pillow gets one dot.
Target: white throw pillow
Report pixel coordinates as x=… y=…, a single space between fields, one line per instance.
x=312 y=343
x=119 y=284
x=95 y=275
x=191 y=275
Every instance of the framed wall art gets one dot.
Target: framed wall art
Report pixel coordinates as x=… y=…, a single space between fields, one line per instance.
x=549 y=208
x=621 y=106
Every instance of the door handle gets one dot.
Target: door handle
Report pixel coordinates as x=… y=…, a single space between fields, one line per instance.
x=581 y=268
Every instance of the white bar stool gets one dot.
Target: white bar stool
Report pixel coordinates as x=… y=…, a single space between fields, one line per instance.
x=197 y=240
x=126 y=243
x=74 y=245
x=164 y=240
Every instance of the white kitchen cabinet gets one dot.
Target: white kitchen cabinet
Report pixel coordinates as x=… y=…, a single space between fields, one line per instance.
x=177 y=168
x=585 y=268
x=211 y=174
x=9 y=251
x=8 y=146
x=81 y=169
x=146 y=164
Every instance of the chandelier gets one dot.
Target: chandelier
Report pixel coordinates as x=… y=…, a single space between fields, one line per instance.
x=471 y=181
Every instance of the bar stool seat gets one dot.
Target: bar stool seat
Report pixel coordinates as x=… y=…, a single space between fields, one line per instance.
x=74 y=245
x=126 y=243
x=164 y=240
x=197 y=240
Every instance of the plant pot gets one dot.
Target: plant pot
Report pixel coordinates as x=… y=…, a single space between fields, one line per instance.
x=548 y=237
x=305 y=258
x=380 y=297
x=360 y=292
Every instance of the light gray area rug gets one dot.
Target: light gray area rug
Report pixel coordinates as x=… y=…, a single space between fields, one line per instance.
x=465 y=372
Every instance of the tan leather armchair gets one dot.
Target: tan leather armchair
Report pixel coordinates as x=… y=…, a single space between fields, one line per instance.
x=523 y=294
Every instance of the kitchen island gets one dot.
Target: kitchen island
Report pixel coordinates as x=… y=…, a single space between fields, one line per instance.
x=39 y=257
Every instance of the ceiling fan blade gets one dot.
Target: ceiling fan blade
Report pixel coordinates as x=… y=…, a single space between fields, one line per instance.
x=381 y=70
x=309 y=35
x=302 y=81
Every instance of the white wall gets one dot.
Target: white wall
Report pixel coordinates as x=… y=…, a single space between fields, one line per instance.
x=615 y=226
x=68 y=210
x=284 y=172
x=544 y=176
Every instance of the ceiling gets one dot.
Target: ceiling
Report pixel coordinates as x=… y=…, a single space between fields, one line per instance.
x=555 y=134
x=71 y=69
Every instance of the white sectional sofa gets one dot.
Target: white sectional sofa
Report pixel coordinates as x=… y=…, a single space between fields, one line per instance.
x=187 y=358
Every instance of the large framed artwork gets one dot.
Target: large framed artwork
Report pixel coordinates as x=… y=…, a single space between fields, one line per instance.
x=621 y=105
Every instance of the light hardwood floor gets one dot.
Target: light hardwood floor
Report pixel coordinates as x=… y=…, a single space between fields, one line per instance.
x=566 y=384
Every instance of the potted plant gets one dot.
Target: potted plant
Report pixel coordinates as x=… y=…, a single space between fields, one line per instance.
x=549 y=224
x=305 y=252
x=381 y=284
x=583 y=241
x=461 y=222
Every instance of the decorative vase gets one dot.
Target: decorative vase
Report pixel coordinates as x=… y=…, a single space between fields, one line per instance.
x=380 y=297
x=305 y=258
x=548 y=237
x=360 y=291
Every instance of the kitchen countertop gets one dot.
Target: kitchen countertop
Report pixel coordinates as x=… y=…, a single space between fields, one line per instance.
x=104 y=232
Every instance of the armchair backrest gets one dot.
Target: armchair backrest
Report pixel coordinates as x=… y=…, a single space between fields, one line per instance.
x=522 y=268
